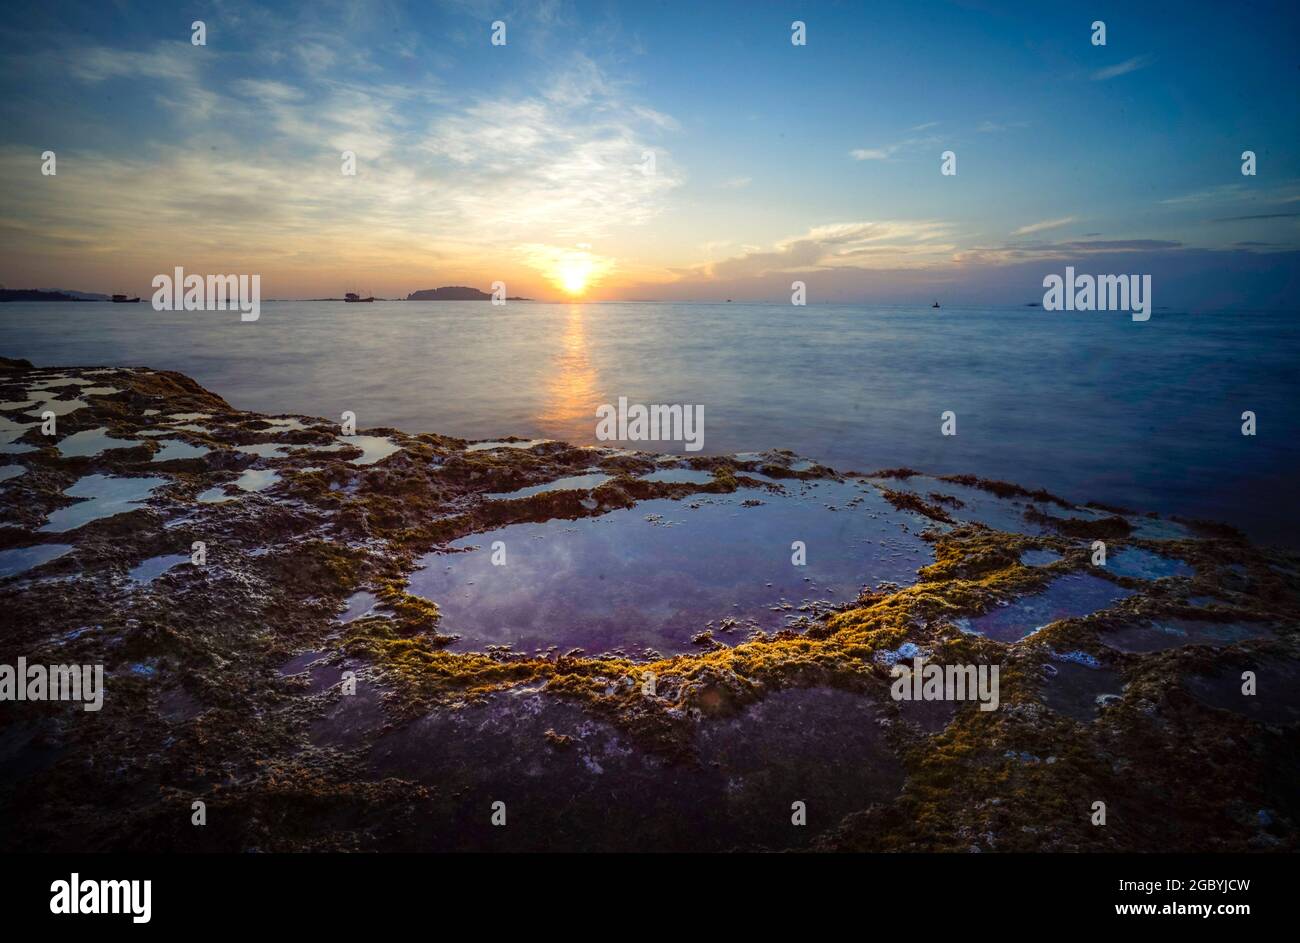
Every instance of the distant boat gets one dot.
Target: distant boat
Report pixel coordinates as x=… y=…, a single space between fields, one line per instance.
x=124 y=300
x=352 y=296
x=935 y=305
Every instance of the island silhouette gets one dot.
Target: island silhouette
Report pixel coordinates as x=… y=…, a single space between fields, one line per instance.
x=454 y=293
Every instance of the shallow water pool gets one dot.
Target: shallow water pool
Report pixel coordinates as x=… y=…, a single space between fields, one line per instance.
x=651 y=576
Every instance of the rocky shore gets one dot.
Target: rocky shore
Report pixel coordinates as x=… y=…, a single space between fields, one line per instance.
x=246 y=582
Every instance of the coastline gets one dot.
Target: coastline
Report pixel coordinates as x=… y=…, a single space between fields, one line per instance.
x=201 y=702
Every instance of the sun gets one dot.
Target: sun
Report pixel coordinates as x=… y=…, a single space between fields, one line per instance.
x=573 y=270
x=573 y=273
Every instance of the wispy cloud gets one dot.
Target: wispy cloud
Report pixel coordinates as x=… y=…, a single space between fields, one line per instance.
x=1237 y=219
x=170 y=61
x=887 y=151
x=1045 y=224
x=1245 y=195
x=919 y=142
x=1006 y=255
x=992 y=127
x=885 y=243
x=574 y=161
x=1123 y=68
x=1222 y=192
x=519 y=178
x=736 y=183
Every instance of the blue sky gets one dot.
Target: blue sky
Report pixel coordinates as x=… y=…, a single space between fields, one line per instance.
x=771 y=162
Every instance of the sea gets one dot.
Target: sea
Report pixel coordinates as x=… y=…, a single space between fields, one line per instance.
x=1091 y=406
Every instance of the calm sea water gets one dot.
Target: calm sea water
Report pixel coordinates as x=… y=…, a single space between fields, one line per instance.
x=1092 y=406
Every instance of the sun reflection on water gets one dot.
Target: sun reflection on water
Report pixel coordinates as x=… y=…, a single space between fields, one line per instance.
x=569 y=408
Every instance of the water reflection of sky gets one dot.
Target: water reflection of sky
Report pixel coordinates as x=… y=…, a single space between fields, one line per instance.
x=1067 y=597
x=654 y=575
x=100 y=496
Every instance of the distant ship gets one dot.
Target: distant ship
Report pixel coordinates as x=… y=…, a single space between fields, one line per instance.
x=123 y=300
x=935 y=305
x=352 y=296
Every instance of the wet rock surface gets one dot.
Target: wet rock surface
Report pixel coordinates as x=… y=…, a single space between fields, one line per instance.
x=343 y=666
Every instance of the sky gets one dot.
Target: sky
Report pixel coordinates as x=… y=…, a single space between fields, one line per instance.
x=654 y=150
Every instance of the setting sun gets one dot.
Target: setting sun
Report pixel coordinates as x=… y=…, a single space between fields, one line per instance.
x=573 y=274
x=572 y=270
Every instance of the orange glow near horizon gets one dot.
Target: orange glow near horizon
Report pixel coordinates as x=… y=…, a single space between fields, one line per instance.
x=574 y=271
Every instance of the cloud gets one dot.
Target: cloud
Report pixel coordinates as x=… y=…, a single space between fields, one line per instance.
x=573 y=161
x=173 y=71
x=1123 y=68
x=736 y=183
x=249 y=172
x=1045 y=224
x=991 y=127
x=839 y=245
x=1264 y=200
x=1236 y=219
x=1007 y=255
x=1221 y=192
x=268 y=91
x=170 y=61
x=889 y=150
x=914 y=143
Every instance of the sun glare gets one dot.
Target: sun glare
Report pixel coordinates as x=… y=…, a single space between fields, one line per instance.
x=573 y=270
x=573 y=274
